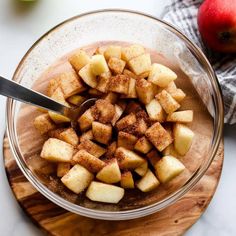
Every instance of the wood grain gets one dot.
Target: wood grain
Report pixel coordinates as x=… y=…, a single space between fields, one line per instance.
x=174 y=220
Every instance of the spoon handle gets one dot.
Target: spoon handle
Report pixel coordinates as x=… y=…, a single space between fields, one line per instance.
x=11 y=89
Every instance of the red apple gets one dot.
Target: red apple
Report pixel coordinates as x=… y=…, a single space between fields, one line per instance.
x=217 y=24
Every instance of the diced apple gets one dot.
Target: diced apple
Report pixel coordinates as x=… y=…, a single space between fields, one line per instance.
x=143 y=145
x=79 y=60
x=99 y=65
x=176 y=93
x=90 y=162
x=158 y=136
x=56 y=150
x=168 y=168
x=85 y=121
x=138 y=128
x=62 y=169
x=132 y=51
x=116 y=65
x=170 y=151
x=167 y=102
x=118 y=114
x=142 y=169
x=88 y=135
x=52 y=86
x=148 y=182
x=119 y=84
x=128 y=159
x=130 y=74
x=144 y=90
x=155 y=111
x=111 y=97
x=76 y=100
x=103 y=111
x=153 y=157
x=111 y=149
x=92 y=148
x=132 y=89
x=133 y=107
x=127 y=180
x=112 y=51
x=102 y=133
x=103 y=82
x=88 y=77
x=77 y=179
x=71 y=84
x=161 y=75
x=43 y=123
x=126 y=121
x=181 y=116
x=126 y=140
x=107 y=193
x=58 y=118
x=183 y=137
x=110 y=173
x=140 y=64
x=69 y=136
x=59 y=97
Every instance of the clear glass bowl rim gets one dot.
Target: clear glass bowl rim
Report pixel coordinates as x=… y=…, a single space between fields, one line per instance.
x=143 y=211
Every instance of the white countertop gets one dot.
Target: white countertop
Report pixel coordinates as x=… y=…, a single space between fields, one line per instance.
x=20 y=25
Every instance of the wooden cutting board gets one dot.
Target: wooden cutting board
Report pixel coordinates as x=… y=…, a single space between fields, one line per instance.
x=53 y=220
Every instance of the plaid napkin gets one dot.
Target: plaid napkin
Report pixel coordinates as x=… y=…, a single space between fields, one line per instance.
x=183 y=14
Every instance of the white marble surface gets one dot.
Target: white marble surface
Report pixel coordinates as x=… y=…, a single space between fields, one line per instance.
x=20 y=25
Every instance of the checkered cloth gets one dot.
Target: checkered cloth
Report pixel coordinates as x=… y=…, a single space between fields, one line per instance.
x=183 y=14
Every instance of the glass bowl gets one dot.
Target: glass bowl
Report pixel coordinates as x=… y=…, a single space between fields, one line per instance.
x=182 y=55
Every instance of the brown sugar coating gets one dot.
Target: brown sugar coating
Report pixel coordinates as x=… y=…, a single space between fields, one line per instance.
x=103 y=111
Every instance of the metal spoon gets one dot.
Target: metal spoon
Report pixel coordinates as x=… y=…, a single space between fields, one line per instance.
x=11 y=89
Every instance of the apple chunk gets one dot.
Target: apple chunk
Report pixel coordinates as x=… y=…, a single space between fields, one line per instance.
x=126 y=140
x=77 y=179
x=142 y=169
x=132 y=51
x=90 y=162
x=110 y=173
x=181 y=116
x=161 y=75
x=155 y=111
x=128 y=159
x=88 y=77
x=102 y=133
x=144 y=91
x=112 y=51
x=158 y=136
x=43 y=123
x=140 y=64
x=168 y=168
x=79 y=60
x=143 y=145
x=127 y=180
x=56 y=150
x=92 y=148
x=99 y=65
x=107 y=193
x=85 y=121
x=167 y=102
x=183 y=137
x=148 y=182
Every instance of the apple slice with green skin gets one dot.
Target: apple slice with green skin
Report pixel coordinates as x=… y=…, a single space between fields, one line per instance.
x=168 y=168
x=217 y=25
x=107 y=193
